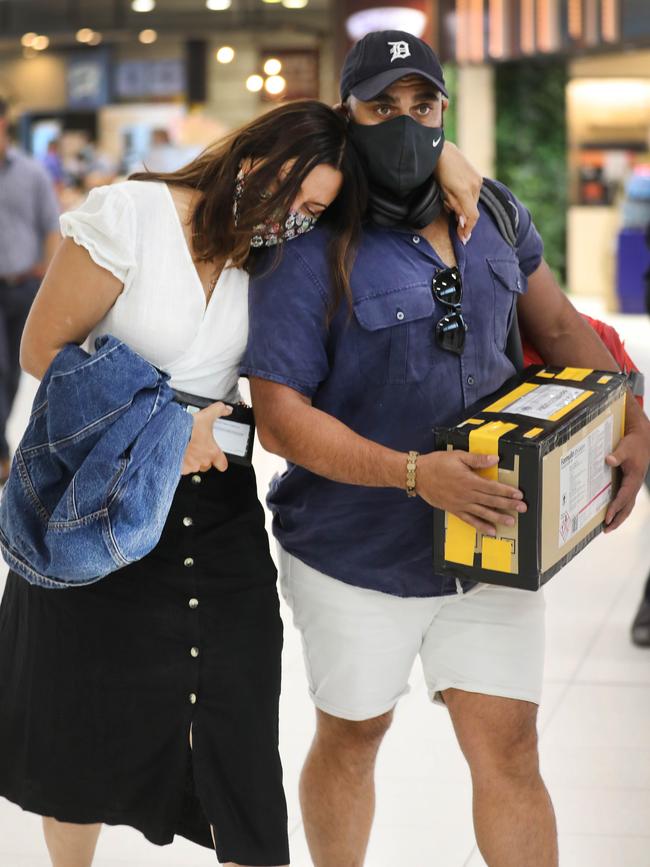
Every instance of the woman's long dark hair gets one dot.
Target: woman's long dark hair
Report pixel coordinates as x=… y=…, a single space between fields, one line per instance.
x=307 y=132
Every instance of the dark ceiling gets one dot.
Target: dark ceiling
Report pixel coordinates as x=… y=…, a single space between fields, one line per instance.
x=62 y=18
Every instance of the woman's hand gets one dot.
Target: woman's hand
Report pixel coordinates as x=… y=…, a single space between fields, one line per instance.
x=461 y=187
x=202 y=452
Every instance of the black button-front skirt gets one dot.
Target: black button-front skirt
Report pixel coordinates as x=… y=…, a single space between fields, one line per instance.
x=101 y=686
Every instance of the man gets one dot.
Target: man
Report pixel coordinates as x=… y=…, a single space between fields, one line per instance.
x=641 y=624
x=53 y=162
x=350 y=400
x=29 y=236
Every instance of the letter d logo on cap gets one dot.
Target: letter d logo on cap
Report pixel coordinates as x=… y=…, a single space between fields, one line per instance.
x=399 y=50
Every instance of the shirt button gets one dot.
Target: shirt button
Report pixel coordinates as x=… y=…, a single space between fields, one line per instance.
x=518 y=284
x=193 y=603
x=416 y=239
x=192 y=698
x=194 y=652
x=187 y=522
x=188 y=561
x=196 y=479
x=400 y=315
x=470 y=380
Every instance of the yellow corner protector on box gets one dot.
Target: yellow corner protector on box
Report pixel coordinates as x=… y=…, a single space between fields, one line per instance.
x=546 y=374
x=496 y=554
x=577 y=374
x=533 y=432
x=460 y=541
x=471 y=421
x=604 y=380
x=485 y=441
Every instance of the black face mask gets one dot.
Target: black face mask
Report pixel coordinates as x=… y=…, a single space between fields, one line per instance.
x=400 y=155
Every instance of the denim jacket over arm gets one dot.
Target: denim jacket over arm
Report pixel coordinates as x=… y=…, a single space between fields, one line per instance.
x=93 y=478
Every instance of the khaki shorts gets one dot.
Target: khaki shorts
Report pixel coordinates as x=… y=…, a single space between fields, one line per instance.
x=360 y=645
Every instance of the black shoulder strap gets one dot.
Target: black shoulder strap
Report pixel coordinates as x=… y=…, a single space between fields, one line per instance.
x=502 y=210
x=505 y=214
x=514 y=349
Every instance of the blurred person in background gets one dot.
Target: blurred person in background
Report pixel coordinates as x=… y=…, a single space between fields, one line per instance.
x=641 y=623
x=87 y=162
x=29 y=237
x=164 y=155
x=53 y=162
x=150 y=698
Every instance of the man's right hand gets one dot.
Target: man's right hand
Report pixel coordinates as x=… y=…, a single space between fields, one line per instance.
x=449 y=481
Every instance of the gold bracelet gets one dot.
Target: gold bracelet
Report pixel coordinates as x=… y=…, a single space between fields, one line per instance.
x=411 y=468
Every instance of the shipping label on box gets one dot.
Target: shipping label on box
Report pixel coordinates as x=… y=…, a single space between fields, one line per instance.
x=552 y=429
x=585 y=480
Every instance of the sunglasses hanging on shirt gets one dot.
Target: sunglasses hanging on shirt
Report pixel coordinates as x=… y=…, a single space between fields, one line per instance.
x=447 y=288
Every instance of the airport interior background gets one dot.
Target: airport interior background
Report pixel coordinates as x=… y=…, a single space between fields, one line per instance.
x=552 y=97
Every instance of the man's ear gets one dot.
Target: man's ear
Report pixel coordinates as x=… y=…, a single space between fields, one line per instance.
x=445 y=104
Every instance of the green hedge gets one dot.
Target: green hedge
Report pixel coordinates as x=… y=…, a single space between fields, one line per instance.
x=531 y=147
x=451 y=80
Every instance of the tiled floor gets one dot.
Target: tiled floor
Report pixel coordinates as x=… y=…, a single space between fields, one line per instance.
x=594 y=723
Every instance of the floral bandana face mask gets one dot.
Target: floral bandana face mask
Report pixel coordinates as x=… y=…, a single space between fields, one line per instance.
x=272 y=234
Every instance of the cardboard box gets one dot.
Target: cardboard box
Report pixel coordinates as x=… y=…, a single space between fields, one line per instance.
x=552 y=429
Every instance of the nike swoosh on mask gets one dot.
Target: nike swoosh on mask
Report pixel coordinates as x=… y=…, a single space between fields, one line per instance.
x=436 y=141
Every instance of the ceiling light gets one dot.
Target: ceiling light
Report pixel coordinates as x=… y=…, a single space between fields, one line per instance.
x=40 y=43
x=294 y=4
x=272 y=66
x=226 y=54
x=85 y=34
x=28 y=39
x=386 y=18
x=96 y=39
x=143 y=5
x=275 y=84
x=218 y=5
x=254 y=83
x=147 y=37
x=272 y=1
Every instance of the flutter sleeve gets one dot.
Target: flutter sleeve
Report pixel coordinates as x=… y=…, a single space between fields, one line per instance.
x=105 y=224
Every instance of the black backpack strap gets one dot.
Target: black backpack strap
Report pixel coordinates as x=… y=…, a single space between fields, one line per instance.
x=514 y=349
x=502 y=210
x=506 y=216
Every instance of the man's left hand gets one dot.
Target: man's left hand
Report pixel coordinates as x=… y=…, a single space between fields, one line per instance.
x=632 y=455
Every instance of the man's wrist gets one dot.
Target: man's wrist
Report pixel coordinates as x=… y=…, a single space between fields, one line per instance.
x=635 y=417
x=395 y=469
x=411 y=473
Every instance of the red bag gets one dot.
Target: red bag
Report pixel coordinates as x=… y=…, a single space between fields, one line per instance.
x=610 y=338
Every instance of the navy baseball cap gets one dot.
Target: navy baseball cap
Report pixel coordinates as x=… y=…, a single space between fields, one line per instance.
x=382 y=58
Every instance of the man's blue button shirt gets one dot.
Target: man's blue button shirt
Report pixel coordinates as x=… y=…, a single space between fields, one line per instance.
x=381 y=373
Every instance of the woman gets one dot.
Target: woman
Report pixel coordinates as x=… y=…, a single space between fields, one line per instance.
x=150 y=698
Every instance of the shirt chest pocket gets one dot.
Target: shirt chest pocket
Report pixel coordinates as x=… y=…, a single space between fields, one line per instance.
x=395 y=335
x=508 y=283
